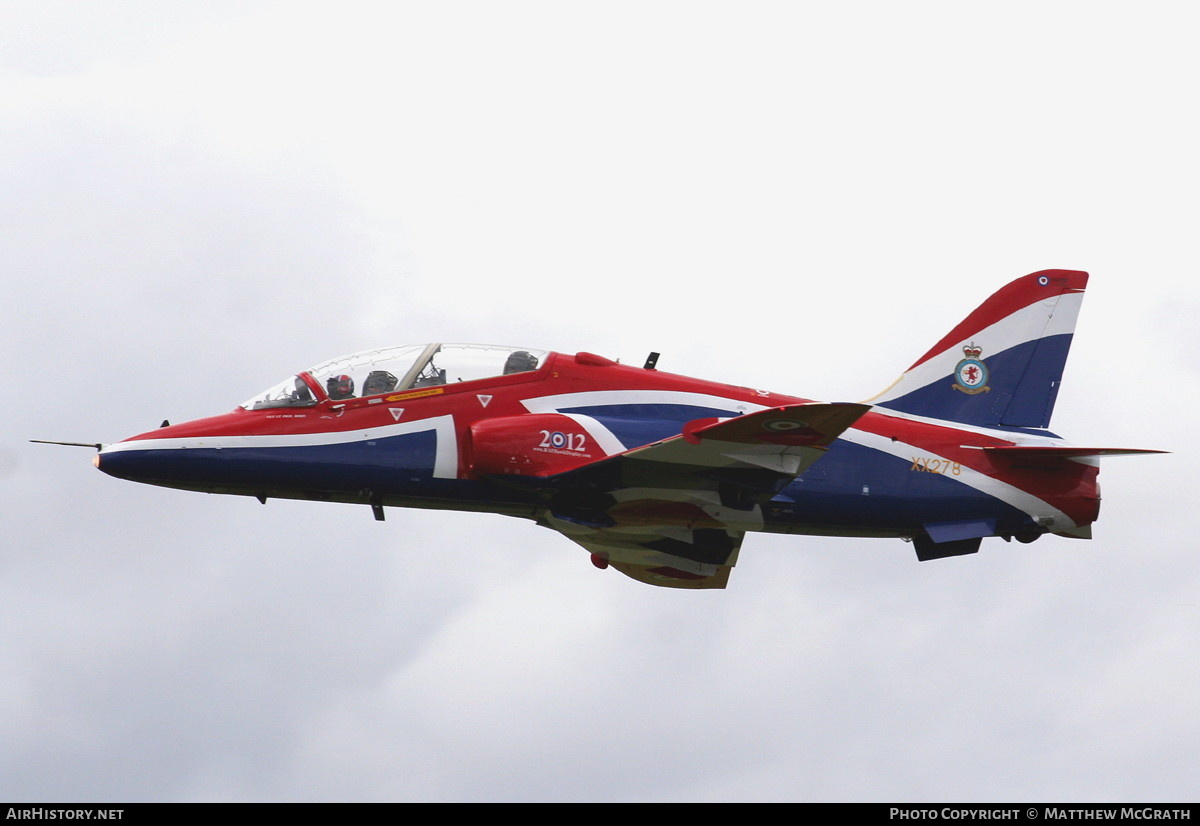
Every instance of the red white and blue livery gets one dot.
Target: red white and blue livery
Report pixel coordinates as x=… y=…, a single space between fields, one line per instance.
x=661 y=476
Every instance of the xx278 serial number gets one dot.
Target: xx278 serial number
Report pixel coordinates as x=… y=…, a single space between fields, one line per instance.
x=942 y=466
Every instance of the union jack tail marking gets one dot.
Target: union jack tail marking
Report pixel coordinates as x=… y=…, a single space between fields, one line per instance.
x=1003 y=364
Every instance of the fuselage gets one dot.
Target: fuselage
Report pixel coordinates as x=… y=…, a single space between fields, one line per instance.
x=475 y=444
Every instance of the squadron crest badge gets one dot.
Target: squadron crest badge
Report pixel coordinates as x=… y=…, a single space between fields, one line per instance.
x=971 y=374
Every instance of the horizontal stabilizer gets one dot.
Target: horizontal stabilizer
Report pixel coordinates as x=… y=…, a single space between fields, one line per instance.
x=1039 y=455
x=1067 y=452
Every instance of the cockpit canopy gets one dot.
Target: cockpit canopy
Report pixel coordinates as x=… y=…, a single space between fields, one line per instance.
x=396 y=369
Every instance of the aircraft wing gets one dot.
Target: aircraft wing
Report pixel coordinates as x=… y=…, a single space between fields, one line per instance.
x=674 y=512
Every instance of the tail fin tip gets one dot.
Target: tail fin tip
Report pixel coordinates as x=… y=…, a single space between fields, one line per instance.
x=1002 y=365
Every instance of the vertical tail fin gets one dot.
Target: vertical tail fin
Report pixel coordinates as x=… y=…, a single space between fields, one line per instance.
x=1003 y=364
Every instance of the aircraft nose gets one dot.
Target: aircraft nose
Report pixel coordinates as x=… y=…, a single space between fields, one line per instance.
x=123 y=464
x=129 y=460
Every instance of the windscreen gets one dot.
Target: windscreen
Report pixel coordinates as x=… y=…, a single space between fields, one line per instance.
x=393 y=369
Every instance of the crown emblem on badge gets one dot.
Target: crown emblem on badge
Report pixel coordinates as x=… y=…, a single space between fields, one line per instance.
x=971 y=374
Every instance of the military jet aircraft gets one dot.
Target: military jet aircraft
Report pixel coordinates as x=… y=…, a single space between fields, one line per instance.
x=661 y=476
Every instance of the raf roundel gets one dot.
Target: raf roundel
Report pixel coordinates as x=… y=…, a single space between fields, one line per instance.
x=785 y=425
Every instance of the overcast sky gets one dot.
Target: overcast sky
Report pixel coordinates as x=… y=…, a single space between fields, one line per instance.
x=201 y=198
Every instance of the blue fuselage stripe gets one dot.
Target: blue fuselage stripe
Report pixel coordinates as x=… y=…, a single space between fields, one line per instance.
x=852 y=485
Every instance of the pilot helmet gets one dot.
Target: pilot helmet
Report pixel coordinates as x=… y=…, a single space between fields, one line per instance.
x=339 y=387
x=379 y=381
x=520 y=361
